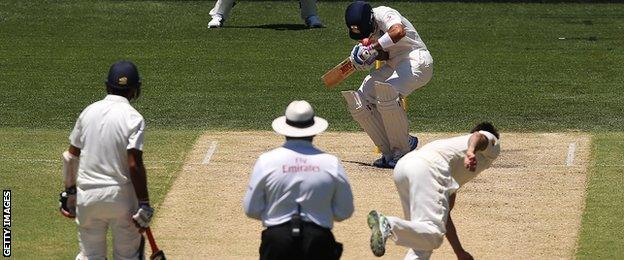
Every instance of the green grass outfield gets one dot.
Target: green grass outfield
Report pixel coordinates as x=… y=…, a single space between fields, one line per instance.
x=500 y=62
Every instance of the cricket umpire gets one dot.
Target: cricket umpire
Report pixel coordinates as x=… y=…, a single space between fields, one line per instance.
x=103 y=171
x=297 y=191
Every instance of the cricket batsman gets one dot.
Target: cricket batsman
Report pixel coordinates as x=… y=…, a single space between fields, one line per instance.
x=103 y=171
x=408 y=66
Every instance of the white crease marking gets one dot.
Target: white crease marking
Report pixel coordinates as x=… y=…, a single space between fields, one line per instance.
x=210 y=152
x=36 y=160
x=571 y=151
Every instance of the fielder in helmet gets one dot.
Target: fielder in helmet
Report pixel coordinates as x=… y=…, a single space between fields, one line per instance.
x=384 y=34
x=123 y=80
x=103 y=171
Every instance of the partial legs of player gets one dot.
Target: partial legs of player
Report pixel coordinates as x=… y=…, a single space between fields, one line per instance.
x=381 y=91
x=221 y=11
x=309 y=14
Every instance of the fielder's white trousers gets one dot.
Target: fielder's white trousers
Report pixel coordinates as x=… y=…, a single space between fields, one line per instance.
x=99 y=209
x=424 y=189
x=224 y=7
x=412 y=72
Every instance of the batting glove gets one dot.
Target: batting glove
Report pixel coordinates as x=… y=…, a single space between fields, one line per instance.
x=143 y=216
x=363 y=57
x=67 y=202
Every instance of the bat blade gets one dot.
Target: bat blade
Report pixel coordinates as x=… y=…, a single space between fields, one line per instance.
x=339 y=73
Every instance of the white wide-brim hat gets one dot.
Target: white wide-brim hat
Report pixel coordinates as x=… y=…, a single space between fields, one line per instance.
x=299 y=121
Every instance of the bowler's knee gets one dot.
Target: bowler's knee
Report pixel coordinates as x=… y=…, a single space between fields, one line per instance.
x=436 y=240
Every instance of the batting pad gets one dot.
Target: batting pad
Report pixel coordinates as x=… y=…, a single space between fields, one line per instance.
x=365 y=116
x=393 y=117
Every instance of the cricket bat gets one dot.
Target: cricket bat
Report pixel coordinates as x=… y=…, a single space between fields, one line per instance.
x=339 y=73
x=342 y=71
x=157 y=254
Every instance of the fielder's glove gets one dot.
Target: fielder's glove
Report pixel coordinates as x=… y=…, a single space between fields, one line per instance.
x=363 y=57
x=67 y=202
x=143 y=216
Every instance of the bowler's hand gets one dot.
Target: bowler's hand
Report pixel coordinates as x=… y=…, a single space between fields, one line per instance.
x=470 y=162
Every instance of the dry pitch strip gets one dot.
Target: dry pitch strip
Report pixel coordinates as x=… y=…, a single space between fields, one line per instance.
x=528 y=205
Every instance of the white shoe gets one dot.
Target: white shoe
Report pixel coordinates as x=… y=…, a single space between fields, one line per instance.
x=380 y=231
x=216 y=22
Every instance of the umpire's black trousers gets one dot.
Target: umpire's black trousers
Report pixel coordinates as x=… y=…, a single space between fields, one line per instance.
x=315 y=242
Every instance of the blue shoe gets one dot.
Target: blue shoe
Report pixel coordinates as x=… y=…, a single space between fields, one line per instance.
x=314 y=21
x=413 y=142
x=384 y=163
x=380 y=231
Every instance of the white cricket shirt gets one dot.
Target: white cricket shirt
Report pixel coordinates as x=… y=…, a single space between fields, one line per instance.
x=449 y=154
x=298 y=173
x=104 y=132
x=386 y=17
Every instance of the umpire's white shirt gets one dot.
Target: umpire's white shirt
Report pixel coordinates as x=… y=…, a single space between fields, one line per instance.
x=298 y=173
x=104 y=132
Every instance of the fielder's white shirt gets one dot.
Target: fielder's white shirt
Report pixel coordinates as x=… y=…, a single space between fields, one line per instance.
x=299 y=173
x=449 y=154
x=386 y=17
x=104 y=132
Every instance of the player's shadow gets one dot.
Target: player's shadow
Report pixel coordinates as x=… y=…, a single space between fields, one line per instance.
x=277 y=27
x=360 y=163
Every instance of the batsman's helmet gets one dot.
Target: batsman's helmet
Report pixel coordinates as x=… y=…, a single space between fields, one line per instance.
x=123 y=76
x=359 y=19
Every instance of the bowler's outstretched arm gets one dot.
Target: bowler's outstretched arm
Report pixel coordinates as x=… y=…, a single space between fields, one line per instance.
x=451 y=234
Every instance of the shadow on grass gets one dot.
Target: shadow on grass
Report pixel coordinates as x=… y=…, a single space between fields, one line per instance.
x=277 y=27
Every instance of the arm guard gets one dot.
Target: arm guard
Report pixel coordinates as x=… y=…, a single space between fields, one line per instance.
x=70 y=169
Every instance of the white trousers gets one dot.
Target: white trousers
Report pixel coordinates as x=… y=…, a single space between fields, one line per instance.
x=424 y=189
x=102 y=208
x=224 y=7
x=410 y=73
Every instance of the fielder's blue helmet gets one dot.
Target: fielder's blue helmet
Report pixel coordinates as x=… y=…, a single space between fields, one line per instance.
x=124 y=75
x=359 y=19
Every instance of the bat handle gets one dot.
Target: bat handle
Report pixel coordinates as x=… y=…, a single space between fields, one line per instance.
x=150 y=238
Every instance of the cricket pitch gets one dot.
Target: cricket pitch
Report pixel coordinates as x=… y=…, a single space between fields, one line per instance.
x=528 y=205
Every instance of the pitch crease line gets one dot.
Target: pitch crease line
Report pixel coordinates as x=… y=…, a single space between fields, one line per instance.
x=35 y=160
x=210 y=152
x=571 y=151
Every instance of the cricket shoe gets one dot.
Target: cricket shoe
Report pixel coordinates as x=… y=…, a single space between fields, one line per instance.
x=385 y=163
x=216 y=22
x=380 y=231
x=413 y=142
x=313 y=21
